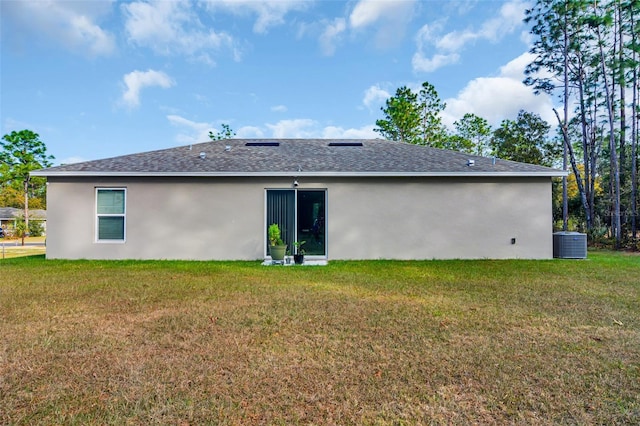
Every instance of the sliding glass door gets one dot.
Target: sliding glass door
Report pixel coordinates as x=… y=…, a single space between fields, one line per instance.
x=310 y=221
x=300 y=213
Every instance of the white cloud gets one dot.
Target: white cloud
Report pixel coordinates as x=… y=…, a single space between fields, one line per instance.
x=70 y=24
x=250 y=132
x=509 y=19
x=331 y=35
x=527 y=38
x=368 y=12
x=296 y=128
x=269 y=13
x=307 y=128
x=137 y=80
x=455 y=40
x=428 y=33
x=99 y=42
x=10 y=124
x=72 y=160
x=426 y=36
x=172 y=27
x=448 y=46
x=279 y=108
x=390 y=19
x=499 y=98
x=459 y=7
x=195 y=132
x=421 y=63
x=383 y=22
x=366 y=132
x=177 y=120
x=375 y=96
x=515 y=68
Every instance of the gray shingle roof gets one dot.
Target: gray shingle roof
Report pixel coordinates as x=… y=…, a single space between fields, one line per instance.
x=299 y=157
x=10 y=213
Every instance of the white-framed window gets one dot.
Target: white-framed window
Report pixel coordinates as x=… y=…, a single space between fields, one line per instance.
x=110 y=214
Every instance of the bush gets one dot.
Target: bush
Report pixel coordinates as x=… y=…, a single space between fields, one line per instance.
x=36 y=228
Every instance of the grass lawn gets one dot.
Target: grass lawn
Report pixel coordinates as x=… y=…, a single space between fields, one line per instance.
x=383 y=342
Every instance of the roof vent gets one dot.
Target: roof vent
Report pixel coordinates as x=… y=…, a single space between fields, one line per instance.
x=471 y=162
x=345 y=143
x=262 y=144
x=203 y=155
x=227 y=148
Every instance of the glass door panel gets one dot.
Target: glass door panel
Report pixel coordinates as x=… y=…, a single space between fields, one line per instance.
x=281 y=207
x=311 y=221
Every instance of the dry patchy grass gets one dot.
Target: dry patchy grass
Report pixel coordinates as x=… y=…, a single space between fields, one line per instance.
x=437 y=342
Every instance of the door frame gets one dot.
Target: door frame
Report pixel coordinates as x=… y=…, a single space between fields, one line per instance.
x=295 y=236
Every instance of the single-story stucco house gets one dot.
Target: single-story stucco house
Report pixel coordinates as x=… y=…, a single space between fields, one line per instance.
x=10 y=215
x=348 y=199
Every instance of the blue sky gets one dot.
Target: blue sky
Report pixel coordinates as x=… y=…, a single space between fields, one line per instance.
x=99 y=78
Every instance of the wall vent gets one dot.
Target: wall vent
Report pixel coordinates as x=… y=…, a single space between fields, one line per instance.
x=569 y=245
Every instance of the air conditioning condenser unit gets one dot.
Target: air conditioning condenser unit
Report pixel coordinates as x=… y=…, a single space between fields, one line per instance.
x=569 y=245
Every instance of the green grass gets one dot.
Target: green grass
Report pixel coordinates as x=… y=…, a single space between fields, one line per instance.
x=383 y=342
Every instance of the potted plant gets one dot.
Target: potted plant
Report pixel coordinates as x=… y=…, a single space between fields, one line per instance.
x=277 y=246
x=298 y=257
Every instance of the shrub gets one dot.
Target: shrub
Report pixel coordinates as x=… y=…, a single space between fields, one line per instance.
x=36 y=228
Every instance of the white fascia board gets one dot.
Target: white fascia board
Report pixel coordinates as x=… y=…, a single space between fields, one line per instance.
x=554 y=173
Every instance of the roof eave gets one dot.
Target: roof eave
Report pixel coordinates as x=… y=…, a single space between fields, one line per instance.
x=551 y=173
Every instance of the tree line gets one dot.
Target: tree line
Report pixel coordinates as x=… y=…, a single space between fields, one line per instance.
x=414 y=117
x=22 y=152
x=586 y=54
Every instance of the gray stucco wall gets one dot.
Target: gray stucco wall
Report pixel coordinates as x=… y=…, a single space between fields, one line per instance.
x=367 y=218
x=442 y=219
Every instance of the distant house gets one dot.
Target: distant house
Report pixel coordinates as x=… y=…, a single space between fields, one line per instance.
x=9 y=216
x=348 y=199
